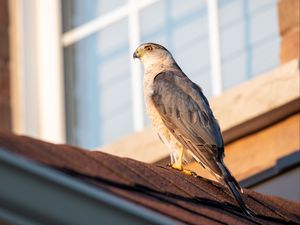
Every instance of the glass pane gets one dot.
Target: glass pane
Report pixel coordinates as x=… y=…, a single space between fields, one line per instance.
x=181 y=26
x=78 y=12
x=249 y=39
x=98 y=104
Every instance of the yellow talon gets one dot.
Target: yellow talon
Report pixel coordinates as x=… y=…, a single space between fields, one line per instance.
x=180 y=168
x=177 y=167
x=188 y=172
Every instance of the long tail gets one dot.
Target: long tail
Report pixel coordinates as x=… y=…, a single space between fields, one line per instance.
x=235 y=188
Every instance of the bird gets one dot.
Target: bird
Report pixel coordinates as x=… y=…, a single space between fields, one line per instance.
x=182 y=117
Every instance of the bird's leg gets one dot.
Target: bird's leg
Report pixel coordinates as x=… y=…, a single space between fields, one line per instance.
x=178 y=163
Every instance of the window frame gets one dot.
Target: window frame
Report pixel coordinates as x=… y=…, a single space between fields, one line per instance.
x=36 y=69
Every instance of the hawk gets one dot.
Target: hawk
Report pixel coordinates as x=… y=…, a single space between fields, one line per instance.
x=182 y=117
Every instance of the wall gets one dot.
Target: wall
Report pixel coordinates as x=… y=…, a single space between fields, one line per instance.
x=289 y=23
x=5 y=107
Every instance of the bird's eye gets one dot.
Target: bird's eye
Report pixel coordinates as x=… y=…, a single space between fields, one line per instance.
x=148 y=48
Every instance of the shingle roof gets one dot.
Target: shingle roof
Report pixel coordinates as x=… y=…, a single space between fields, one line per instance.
x=190 y=200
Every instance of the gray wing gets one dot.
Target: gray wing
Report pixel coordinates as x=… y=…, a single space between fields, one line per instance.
x=186 y=112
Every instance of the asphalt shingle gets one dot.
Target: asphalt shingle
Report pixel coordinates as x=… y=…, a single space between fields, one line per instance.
x=191 y=200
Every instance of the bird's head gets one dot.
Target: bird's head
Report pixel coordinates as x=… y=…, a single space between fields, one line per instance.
x=152 y=53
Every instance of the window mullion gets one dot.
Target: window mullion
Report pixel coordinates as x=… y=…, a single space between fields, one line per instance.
x=136 y=76
x=215 y=50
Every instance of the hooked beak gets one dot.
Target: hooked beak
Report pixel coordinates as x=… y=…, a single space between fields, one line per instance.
x=137 y=54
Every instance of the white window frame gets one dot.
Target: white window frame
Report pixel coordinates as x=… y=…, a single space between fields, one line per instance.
x=214 y=44
x=36 y=66
x=37 y=62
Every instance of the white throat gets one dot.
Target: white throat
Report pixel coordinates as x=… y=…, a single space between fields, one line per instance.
x=154 y=65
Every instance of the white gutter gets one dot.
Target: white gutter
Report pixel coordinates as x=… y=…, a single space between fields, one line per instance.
x=34 y=194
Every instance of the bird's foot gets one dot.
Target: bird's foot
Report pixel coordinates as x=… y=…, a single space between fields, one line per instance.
x=180 y=168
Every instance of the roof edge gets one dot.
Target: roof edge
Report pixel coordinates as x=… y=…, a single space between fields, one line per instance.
x=261 y=121
x=283 y=164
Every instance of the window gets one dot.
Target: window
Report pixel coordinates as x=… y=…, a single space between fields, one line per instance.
x=218 y=44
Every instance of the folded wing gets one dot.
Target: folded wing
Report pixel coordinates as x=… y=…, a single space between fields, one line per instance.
x=186 y=113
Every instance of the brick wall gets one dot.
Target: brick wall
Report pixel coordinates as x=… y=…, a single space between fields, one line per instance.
x=288 y=11
x=5 y=107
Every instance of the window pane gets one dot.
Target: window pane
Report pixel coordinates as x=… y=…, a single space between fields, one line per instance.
x=182 y=27
x=98 y=87
x=78 y=12
x=249 y=39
